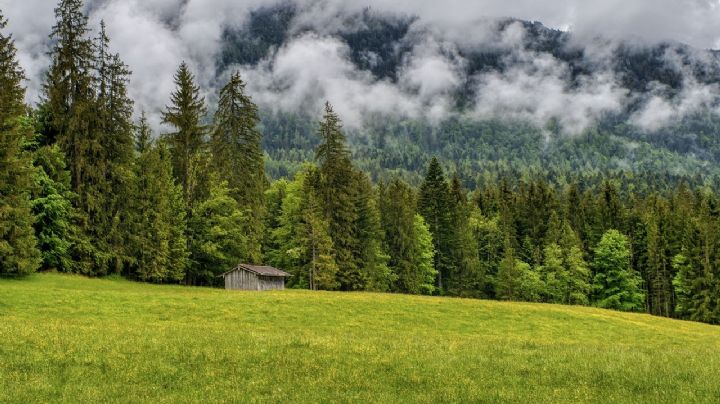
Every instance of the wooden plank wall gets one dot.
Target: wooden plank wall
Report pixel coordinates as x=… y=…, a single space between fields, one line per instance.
x=245 y=280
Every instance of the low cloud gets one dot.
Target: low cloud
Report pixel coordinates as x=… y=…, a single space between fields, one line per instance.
x=154 y=36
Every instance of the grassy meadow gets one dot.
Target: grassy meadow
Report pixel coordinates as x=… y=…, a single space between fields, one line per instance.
x=73 y=339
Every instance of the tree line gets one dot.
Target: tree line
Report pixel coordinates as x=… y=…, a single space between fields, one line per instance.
x=85 y=189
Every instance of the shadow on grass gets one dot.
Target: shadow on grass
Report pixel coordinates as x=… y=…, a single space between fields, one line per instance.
x=16 y=277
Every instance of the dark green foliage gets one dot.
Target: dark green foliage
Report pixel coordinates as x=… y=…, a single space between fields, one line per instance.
x=301 y=240
x=408 y=240
x=338 y=192
x=88 y=112
x=18 y=250
x=18 y=245
x=434 y=204
x=187 y=143
x=616 y=285
x=238 y=158
x=157 y=239
x=370 y=255
x=58 y=223
x=217 y=240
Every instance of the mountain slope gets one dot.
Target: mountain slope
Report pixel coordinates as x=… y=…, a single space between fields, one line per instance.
x=408 y=91
x=68 y=338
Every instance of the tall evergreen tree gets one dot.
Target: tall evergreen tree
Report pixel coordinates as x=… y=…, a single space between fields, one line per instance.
x=156 y=221
x=302 y=244
x=314 y=237
x=238 y=157
x=143 y=134
x=114 y=113
x=187 y=142
x=616 y=284
x=467 y=277
x=408 y=240
x=338 y=193
x=59 y=225
x=217 y=241
x=69 y=88
x=89 y=114
x=370 y=255
x=18 y=245
x=434 y=205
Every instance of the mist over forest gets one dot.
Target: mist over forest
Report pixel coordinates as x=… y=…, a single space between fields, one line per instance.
x=547 y=83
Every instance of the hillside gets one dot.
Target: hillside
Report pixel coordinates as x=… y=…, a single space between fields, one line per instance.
x=69 y=338
x=515 y=96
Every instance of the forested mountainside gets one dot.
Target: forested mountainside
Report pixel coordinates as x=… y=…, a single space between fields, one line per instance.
x=619 y=139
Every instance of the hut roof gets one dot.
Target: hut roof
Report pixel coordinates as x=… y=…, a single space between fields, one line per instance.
x=262 y=270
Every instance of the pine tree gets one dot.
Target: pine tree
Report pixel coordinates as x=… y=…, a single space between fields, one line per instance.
x=114 y=113
x=89 y=114
x=18 y=245
x=578 y=287
x=616 y=284
x=338 y=193
x=554 y=274
x=696 y=280
x=508 y=282
x=317 y=244
x=435 y=207
x=370 y=256
x=143 y=134
x=157 y=215
x=187 y=143
x=301 y=241
x=423 y=279
x=407 y=239
x=684 y=286
x=490 y=241
x=237 y=156
x=468 y=278
x=69 y=88
x=217 y=241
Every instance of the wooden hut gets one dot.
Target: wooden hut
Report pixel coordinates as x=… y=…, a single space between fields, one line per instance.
x=255 y=277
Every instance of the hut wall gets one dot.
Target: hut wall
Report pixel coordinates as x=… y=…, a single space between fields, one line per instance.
x=246 y=280
x=240 y=279
x=272 y=283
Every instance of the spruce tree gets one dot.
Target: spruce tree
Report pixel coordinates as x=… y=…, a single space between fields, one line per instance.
x=89 y=114
x=508 y=281
x=314 y=237
x=616 y=284
x=423 y=277
x=407 y=239
x=18 y=245
x=434 y=205
x=59 y=225
x=370 y=255
x=301 y=241
x=69 y=88
x=467 y=277
x=156 y=220
x=187 y=142
x=143 y=134
x=217 y=240
x=338 y=193
x=237 y=156
x=114 y=113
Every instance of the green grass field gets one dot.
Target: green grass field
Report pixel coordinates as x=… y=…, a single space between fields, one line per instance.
x=70 y=339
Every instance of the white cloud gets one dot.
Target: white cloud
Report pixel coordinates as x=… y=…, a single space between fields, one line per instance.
x=153 y=36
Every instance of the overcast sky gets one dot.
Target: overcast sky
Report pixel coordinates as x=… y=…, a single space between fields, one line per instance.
x=153 y=36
